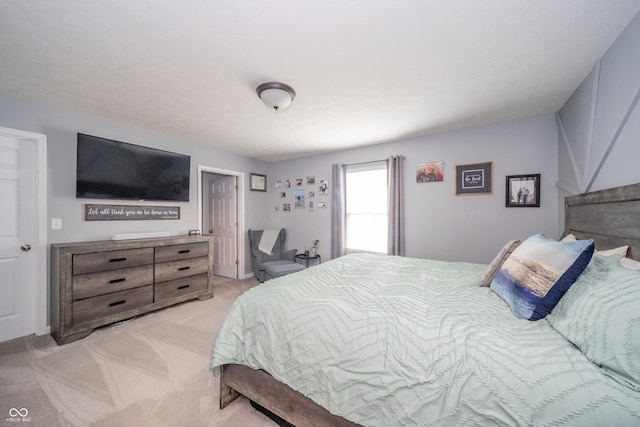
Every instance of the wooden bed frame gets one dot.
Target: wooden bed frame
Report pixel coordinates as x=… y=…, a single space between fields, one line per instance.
x=610 y=217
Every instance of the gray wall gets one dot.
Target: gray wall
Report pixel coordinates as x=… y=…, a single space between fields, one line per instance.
x=61 y=128
x=439 y=224
x=599 y=126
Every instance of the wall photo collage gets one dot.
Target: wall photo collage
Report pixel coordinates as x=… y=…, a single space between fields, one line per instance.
x=301 y=193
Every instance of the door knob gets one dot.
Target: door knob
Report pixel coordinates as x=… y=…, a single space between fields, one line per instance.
x=25 y=248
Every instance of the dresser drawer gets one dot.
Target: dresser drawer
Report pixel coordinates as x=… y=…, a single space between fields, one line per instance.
x=102 y=306
x=179 y=269
x=111 y=260
x=106 y=282
x=176 y=288
x=178 y=252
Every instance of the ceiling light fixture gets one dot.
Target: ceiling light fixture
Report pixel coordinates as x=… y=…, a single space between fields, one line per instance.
x=276 y=95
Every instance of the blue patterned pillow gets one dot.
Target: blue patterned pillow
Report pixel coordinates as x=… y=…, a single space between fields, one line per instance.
x=538 y=273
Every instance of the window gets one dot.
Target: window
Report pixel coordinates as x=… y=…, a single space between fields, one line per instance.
x=366 y=207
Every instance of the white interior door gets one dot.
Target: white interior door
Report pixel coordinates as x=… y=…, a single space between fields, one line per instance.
x=18 y=236
x=224 y=226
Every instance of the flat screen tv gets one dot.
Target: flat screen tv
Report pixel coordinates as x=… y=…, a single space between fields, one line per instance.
x=108 y=169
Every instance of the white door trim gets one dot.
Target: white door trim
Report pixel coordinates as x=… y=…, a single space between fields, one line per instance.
x=240 y=212
x=42 y=278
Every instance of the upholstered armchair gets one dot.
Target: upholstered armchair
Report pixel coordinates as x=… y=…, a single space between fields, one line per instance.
x=278 y=263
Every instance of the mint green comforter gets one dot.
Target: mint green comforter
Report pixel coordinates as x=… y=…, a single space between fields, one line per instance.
x=393 y=341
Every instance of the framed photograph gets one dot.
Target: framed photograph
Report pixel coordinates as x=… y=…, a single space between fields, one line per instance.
x=323 y=188
x=257 y=182
x=299 y=182
x=474 y=179
x=322 y=205
x=298 y=199
x=523 y=191
x=430 y=172
x=311 y=180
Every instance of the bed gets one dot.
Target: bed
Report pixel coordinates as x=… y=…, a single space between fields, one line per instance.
x=376 y=340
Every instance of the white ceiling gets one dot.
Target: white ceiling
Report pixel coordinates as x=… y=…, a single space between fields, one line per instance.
x=365 y=71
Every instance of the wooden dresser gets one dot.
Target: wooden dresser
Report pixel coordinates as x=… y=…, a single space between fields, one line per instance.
x=97 y=283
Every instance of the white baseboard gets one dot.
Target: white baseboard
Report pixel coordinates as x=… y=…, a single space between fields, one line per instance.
x=125 y=236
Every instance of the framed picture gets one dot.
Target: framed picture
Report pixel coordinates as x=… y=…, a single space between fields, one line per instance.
x=298 y=199
x=430 y=172
x=323 y=188
x=257 y=182
x=474 y=179
x=523 y=191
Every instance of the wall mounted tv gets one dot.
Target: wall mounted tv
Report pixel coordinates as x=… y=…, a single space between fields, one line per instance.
x=108 y=169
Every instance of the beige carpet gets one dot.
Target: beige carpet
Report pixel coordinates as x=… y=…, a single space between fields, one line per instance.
x=148 y=371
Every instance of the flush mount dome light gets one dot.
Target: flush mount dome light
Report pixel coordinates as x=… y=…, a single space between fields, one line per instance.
x=276 y=95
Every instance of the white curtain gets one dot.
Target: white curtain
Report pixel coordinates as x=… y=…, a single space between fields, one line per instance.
x=395 y=208
x=338 y=211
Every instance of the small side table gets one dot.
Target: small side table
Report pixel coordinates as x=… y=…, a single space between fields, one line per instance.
x=306 y=258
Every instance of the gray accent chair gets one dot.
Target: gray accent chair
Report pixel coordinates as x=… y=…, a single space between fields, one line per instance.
x=279 y=263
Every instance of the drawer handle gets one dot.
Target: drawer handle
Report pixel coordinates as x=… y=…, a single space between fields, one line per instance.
x=183 y=286
x=185 y=251
x=122 y=279
x=113 y=304
x=118 y=259
x=184 y=268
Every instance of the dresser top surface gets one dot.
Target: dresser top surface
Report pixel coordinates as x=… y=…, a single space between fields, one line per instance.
x=107 y=245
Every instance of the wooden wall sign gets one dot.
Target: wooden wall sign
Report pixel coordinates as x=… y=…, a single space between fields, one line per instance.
x=129 y=212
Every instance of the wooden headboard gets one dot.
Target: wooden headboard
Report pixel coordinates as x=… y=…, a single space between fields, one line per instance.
x=610 y=217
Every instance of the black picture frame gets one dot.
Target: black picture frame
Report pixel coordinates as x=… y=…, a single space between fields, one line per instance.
x=475 y=178
x=257 y=182
x=522 y=191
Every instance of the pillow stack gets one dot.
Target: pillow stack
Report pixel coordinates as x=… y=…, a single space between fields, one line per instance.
x=600 y=315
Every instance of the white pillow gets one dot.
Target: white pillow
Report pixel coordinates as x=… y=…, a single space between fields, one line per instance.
x=629 y=263
x=622 y=251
